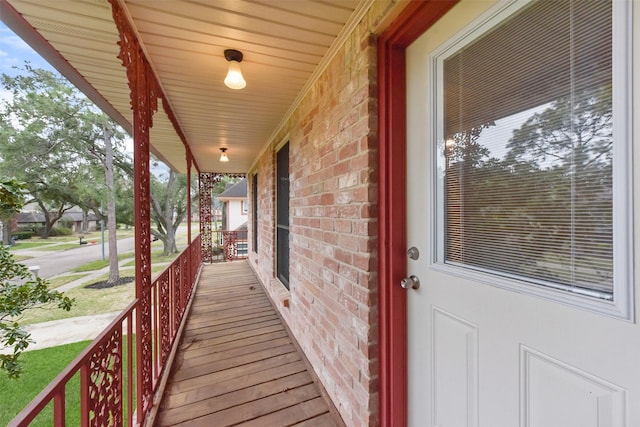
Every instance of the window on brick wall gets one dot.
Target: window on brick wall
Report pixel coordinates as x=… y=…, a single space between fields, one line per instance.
x=282 y=215
x=254 y=212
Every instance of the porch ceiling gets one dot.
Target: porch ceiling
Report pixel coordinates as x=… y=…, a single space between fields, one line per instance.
x=285 y=44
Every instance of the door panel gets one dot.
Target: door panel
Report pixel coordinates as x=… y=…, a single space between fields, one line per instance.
x=480 y=354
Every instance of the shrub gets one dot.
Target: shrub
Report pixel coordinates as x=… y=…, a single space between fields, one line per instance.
x=22 y=235
x=60 y=231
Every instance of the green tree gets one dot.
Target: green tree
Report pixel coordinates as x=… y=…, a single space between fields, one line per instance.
x=52 y=139
x=564 y=155
x=546 y=207
x=19 y=291
x=38 y=125
x=168 y=207
x=11 y=195
x=63 y=148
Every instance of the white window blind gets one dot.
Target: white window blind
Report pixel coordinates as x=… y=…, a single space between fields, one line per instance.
x=528 y=153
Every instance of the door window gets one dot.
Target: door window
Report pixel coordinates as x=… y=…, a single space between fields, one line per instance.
x=532 y=148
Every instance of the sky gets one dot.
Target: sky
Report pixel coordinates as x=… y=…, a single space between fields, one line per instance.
x=14 y=52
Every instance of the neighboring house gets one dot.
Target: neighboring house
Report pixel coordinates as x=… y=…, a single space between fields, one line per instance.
x=72 y=218
x=235 y=206
x=429 y=186
x=30 y=220
x=76 y=219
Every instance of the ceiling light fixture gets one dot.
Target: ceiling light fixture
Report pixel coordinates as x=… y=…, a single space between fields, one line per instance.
x=234 y=79
x=223 y=155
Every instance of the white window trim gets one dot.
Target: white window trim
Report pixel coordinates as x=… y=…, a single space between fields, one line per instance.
x=622 y=305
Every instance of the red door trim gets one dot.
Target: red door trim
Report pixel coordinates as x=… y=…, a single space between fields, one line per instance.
x=415 y=19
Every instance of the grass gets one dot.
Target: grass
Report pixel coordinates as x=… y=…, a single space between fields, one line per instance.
x=93 y=301
x=88 y=301
x=126 y=272
x=66 y=242
x=28 y=244
x=40 y=368
x=101 y=263
x=156 y=257
x=63 y=280
x=60 y=247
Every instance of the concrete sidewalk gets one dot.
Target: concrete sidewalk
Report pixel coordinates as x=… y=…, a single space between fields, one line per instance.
x=67 y=331
x=73 y=329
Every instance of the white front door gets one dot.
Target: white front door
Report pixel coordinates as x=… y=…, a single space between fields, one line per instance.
x=525 y=313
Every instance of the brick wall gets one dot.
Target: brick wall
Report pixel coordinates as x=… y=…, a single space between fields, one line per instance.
x=331 y=307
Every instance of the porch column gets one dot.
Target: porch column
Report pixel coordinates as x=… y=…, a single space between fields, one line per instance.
x=189 y=162
x=144 y=102
x=205 y=184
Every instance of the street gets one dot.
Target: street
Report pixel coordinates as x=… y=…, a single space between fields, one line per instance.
x=53 y=263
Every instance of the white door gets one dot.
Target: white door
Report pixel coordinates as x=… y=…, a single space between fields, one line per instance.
x=511 y=325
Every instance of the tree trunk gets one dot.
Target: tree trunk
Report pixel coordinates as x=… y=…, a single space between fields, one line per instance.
x=85 y=220
x=114 y=272
x=49 y=219
x=169 y=244
x=6 y=232
x=170 y=241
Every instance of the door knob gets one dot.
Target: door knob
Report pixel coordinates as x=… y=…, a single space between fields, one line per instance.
x=410 y=282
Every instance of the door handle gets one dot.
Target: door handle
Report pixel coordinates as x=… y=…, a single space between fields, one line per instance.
x=411 y=282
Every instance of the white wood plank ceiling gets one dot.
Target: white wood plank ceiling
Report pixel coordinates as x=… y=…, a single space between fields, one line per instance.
x=285 y=44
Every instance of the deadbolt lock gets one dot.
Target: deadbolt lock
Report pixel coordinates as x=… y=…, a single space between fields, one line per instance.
x=413 y=253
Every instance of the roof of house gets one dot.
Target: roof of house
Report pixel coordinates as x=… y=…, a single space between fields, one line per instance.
x=29 y=217
x=237 y=190
x=38 y=217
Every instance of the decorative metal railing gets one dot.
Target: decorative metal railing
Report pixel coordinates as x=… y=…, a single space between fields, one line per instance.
x=229 y=245
x=108 y=391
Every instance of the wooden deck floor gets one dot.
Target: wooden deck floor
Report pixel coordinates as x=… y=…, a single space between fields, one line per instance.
x=236 y=364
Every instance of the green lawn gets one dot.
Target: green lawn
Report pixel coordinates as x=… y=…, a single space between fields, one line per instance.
x=101 y=263
x=156 y=258
x=88 y=301
x=29 y=244
x=40 y=367
x=53 y=243
x=59 y=247
x=63 y=280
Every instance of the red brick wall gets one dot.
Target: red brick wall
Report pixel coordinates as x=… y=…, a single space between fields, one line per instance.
x=331 y=307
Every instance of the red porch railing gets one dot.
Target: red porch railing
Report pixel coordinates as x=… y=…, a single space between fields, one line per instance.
x=229 y=245
x=106 y=367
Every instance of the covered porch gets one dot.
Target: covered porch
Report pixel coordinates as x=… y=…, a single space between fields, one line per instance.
x=237 y=364
x=305 y=133
x=221 y=355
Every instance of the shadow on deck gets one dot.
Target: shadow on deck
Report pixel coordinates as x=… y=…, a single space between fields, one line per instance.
x=236 y=364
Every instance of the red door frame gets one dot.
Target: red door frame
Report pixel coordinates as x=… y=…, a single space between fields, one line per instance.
x=414 y=20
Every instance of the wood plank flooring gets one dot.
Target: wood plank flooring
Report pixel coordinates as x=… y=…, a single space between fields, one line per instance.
x=236 y=365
